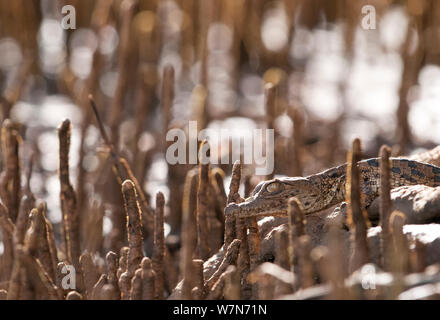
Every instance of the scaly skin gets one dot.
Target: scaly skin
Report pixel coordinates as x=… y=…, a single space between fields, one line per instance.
x=323 y=190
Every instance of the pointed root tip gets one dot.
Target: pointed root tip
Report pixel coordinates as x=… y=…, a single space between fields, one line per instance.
x=127 y=185
x=65 y=125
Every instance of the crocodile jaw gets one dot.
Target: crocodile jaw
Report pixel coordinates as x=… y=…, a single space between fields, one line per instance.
x=256 y=208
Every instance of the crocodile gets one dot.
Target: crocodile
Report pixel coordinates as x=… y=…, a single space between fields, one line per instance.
x=326 y=189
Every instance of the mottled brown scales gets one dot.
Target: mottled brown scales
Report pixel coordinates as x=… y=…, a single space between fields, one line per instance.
x=403 y=172
x=323 y=190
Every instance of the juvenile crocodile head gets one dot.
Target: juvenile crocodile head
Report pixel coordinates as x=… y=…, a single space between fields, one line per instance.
x=270 y=198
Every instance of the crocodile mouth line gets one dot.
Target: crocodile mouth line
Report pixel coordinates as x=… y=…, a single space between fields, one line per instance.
x=241 y=211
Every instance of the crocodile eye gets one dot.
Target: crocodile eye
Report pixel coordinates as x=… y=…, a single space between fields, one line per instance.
x=273 y=187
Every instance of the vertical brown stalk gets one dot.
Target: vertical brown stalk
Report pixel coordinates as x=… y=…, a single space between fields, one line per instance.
x=296 y=228
x=247 y=186
x=215 y=224
x=27 y=186
x=134 y=227
x=13 y=92
x=123 y=261
x=297 y=219
x=100 y=16
x=270 y=106
x=306 y=272
x=68 y=198
x=253 y=237
x=21 y=225
x=112 y=268
x=59 y=277
x=136 y=286
x=36 y=241
x=124 y=286
x=400 y=243
x=145 y=83
x=116 y=108
x=8 y=230
x=203 y=249
x=188 y=36
x=243 y=263
x=413 y=59
x=217 y=176
x=356 y=214
x=331 y=268
x=10 y=180
x=234 y=186
x=188 y=232
x=297 y=149
x=206 y=15
x=22 y=221
x=148 y=221
x=233 y=196
x=333 y=149
x=14 y=285
x=167 y=97
x=52 y=245
x=198 y=106
x=281 y=249
x=176 y=173
x=90 y=273
x=159 y=245
x=236 y=228
x=125 y=172
x=199 y=280
x=400 y=256
x=93 y=237
x=148 y=280
x=39 y=277
x=6 y=223
x=118 y=217
x=385 y=205
x=253 y=241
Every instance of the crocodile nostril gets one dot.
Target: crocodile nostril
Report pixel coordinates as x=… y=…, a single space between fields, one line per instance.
x=231 y=209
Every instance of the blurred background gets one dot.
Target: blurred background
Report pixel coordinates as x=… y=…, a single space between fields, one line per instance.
x=155 y=64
